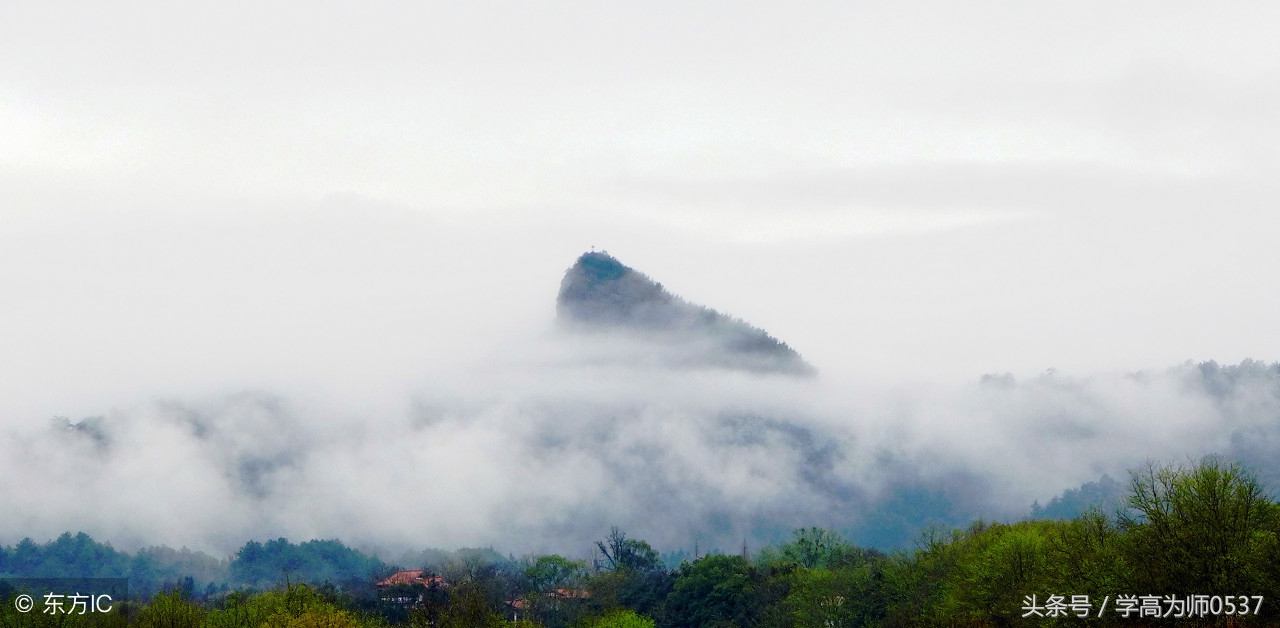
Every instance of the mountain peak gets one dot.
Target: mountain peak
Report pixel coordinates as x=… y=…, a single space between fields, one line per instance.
x=600 y=293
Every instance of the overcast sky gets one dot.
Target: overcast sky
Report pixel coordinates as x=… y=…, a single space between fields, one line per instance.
x=199 y=198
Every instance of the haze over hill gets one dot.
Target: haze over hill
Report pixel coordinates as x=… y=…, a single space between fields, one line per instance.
x=640 y=412
x=600 y=294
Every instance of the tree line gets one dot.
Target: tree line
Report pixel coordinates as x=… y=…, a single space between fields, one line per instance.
x=1198 y=539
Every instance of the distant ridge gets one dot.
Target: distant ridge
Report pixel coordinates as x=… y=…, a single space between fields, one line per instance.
x=600 y=293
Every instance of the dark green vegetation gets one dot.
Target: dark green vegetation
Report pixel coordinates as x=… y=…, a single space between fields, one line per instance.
x=1194 y=529
x=155 y=569
x=599 y=293
x=1106 y=494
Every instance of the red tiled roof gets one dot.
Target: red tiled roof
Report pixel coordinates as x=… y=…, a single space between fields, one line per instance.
x=412 y=576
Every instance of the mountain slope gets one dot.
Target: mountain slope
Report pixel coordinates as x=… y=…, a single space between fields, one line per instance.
x=599 y=293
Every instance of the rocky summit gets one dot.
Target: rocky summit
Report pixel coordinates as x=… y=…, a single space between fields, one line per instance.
x=601 y=294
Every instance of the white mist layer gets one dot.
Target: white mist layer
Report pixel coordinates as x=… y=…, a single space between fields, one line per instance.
x=546 y=451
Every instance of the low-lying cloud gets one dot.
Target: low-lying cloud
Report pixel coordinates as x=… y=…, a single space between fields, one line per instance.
x=546 y=447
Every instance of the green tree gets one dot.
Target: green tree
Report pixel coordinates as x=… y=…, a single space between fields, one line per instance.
x=469 y=608
x=553 y=572
x=170 y=610
x=624 y=618
x=1197 y=529
x=554 y=594
x=1006 y=564
x=626 y=554
x=713 y=591
x=240 y=610
x=914 y=582
x=820 y=598
x=814 y=547
x=1086 y=557
x=843 y=596
x=298 y=605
